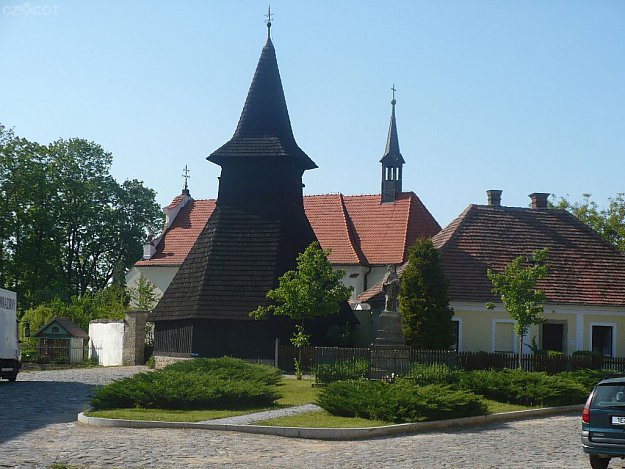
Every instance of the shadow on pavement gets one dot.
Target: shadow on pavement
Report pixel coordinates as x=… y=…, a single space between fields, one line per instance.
x=29 y=405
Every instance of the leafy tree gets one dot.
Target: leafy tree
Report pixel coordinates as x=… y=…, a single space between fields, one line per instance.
x=312 y=290
x=66 y=226
x=516 y=286
x=423 y=299
x=110 y=303
x=144 y=296
x=609 y=222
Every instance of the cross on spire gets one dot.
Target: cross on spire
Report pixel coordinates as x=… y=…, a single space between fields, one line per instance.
x=393 y=101
x=185 y=176
x=269 y=17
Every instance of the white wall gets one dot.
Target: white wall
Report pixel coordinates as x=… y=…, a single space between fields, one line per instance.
x=106 y=342
x=160 y=276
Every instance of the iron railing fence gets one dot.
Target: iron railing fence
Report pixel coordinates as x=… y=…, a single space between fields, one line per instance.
x=55 y=355
x=382 y=362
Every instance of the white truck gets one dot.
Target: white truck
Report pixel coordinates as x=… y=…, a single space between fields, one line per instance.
x=10 y=363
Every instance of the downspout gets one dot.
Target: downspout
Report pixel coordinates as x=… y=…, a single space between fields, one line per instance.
x=365 y=286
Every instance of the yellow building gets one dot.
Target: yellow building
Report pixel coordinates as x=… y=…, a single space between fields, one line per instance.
x=585 y=287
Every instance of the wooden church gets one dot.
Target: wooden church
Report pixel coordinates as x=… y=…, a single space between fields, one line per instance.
x=253 y=236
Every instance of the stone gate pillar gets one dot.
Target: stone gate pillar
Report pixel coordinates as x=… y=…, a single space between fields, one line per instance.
x=134 y=337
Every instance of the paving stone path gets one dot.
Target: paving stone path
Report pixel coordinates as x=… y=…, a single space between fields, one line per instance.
x=38 y=427
x=266 y=415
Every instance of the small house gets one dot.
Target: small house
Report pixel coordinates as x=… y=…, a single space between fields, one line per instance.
x=61 y=340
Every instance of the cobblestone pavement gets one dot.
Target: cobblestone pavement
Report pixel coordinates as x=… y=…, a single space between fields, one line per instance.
x=38 y=427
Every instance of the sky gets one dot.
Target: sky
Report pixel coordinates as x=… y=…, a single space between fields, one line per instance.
x=523 y=96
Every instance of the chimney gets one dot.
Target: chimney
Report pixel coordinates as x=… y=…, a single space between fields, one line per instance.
x=539 y=199
x=149 y=249
x=494 y=197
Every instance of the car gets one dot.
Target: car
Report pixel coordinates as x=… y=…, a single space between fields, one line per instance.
x=603 y=423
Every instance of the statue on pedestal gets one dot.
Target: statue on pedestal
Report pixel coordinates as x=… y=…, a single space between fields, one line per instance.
x=390 y=331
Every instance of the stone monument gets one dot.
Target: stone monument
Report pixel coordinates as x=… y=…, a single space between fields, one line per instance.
x=389 y=354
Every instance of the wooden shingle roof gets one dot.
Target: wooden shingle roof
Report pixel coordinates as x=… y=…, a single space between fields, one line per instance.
x=264 y=129
x=237 y=258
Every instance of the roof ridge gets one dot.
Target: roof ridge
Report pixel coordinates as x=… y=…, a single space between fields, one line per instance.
x=407 y=224
x=454 y=230
x=589 y=230
x=351 y=233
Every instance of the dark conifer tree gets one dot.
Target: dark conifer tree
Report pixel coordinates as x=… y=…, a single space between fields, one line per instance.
x=423 y=300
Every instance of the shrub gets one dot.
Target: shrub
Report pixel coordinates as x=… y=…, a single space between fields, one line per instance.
x=522 y=387
x=194 y=384
x=341 y=371
x=587 y=353
x=589 y=378
x=398 y=402
x=229 y=368
x=437 y=373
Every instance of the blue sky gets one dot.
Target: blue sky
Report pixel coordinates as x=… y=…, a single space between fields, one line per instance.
x=524 y=96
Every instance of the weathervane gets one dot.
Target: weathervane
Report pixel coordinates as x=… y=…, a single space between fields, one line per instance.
x=269 y=17
x=393 y=101
x=186 y=177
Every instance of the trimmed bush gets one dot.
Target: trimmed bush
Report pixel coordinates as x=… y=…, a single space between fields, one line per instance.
x=342 y=371
x=195 y=384
x=522 y=387
x=589 y=378
x=229 y=368
x=398 y=402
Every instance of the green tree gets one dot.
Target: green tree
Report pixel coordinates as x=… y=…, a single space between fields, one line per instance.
x=143 y=296
x=423 y=299
x=312 y=290
x=66 y=226
x=516 y=287
x=109 y=303
x=608 y=222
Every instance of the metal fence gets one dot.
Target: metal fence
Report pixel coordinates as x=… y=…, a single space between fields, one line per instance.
x=382 y=362
x=54 y=355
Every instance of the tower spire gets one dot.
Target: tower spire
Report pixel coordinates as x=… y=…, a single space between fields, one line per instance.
x=264 y=128
x=392 y=161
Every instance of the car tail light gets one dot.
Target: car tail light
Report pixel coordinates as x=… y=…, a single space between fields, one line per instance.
x=586 y=411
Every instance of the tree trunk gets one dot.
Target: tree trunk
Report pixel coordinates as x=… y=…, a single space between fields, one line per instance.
x=520 y=350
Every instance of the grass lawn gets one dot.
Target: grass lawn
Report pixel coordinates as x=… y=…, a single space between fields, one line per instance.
x=293 y=392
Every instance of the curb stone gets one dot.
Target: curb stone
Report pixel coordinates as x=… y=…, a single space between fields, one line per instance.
x=335 y=433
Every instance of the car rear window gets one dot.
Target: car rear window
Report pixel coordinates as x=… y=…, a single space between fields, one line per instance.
x=609 y=395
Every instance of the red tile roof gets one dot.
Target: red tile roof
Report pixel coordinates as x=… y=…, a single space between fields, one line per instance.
x=386 y=231
x=583 y=268
x=358 y=229
x=328 y=216
x=175 y=245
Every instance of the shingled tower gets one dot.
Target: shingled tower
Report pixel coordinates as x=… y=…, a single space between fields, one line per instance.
x=254 y=235
x=392 y=161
